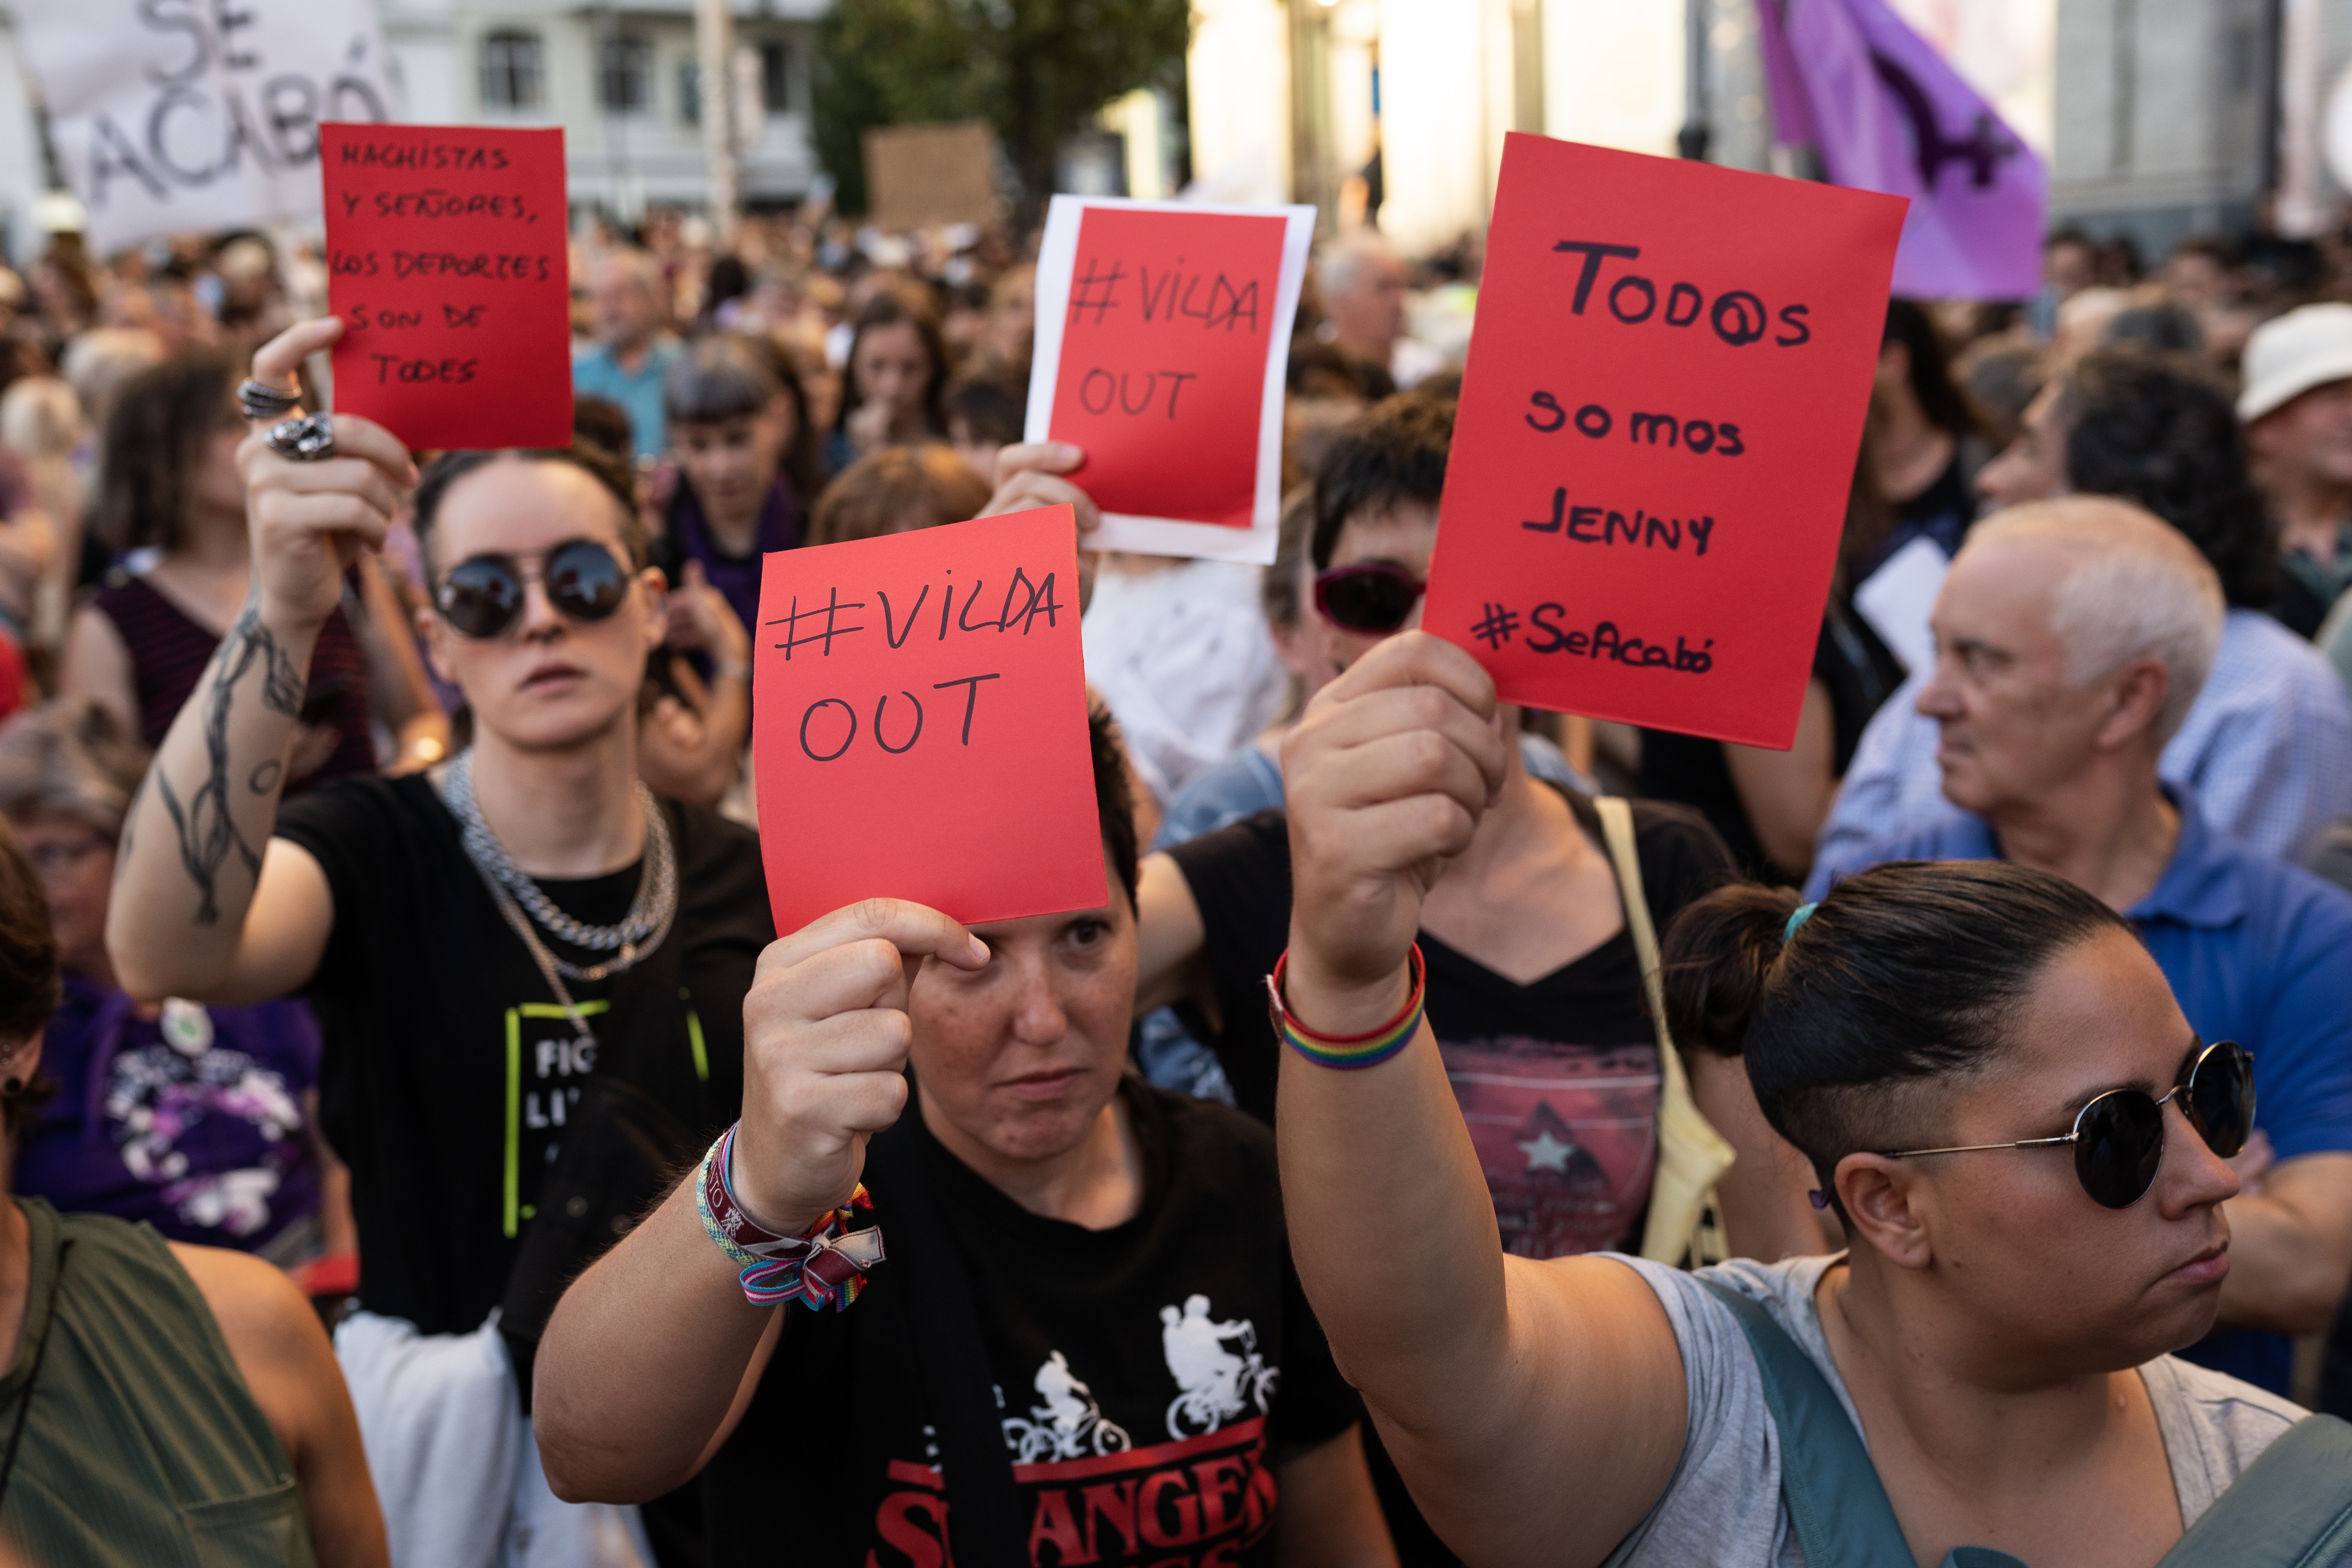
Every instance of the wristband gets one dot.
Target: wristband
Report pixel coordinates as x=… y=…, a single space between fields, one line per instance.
x=824 y=1264
x=1348 y=1051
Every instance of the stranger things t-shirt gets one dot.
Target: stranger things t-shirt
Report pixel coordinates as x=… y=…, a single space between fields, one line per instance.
x=1558 y=1079
x=448 y=1068
x=1150 y=1376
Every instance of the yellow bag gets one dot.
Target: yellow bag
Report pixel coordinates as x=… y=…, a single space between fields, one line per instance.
x=1692 y=1155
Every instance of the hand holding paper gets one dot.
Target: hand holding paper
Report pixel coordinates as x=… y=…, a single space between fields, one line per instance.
x=1163 y=329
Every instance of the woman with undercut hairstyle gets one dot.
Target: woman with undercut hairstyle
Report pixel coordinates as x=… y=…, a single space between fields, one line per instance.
x=1995 y=1092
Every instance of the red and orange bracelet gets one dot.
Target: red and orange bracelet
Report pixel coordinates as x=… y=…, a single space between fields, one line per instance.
x=1348 y=1051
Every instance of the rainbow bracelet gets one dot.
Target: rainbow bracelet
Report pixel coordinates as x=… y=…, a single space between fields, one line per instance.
x=824 y=1266
x=1348 y=1051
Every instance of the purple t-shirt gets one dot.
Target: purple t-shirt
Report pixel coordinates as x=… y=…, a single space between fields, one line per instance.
x=192 y=1120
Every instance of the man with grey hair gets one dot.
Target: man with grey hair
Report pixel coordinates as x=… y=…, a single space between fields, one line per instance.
x=632 y=352
x=1363 y=289
x=2070 y=638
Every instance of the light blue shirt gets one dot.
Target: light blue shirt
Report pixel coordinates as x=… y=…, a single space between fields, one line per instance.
x=2267 y=747
x=2258 y=952
x=596 y=373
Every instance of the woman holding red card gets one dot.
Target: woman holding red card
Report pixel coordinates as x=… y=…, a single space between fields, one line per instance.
x=528 y=972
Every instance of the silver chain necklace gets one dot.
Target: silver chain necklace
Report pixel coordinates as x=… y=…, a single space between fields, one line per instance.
x=639 y=931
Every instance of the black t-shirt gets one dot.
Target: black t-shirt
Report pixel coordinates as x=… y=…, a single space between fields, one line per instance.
x=1557 y=1080
x=1148 y=1375
x=1859 y=672
x=448 y=1068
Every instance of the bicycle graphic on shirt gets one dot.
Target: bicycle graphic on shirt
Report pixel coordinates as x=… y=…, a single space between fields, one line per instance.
x=1069 y=1425
x=1215 y=1384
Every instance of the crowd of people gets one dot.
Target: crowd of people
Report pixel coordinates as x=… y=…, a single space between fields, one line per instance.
x=1466 y=1133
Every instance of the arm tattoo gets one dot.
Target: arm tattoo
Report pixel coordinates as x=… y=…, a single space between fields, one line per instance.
x=208 y=834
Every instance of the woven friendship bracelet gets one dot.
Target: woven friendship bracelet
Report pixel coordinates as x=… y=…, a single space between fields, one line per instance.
x=1348 y=1051
x=825 y=1265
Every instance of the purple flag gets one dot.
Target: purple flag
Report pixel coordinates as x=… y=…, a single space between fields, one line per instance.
x=1888 y=113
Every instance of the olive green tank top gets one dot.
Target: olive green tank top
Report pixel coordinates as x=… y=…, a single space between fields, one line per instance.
x=141 y=1444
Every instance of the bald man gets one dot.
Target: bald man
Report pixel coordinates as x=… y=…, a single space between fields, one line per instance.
x=2072 y=637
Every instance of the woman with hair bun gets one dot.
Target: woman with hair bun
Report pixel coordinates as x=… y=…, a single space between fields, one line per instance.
x=1999 y=1096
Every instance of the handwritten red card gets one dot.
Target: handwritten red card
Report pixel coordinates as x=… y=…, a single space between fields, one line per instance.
x=1659 y=417
x=919 y=726
x=446 y=260
x=1164 y=334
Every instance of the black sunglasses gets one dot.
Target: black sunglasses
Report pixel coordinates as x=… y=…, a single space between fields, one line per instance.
x=1371 y=596
x=482 y=594
x=2119 y=1137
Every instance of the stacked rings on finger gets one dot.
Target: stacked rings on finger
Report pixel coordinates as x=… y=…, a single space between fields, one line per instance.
x=305 y=440
x=262 y=401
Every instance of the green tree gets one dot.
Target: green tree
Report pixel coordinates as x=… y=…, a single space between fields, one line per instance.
x=1035 y=69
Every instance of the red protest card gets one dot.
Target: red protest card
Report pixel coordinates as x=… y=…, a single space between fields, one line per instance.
x=919 y=726
x=1163 y=333
x=446 y=260
x=1665 y=394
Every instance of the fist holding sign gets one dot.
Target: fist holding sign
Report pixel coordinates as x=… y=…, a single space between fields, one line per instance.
x=1657 y=431
x=919 y=729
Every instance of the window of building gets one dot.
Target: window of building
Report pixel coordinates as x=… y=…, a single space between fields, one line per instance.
x=776 y=78
x=689 y=92
x=512 y=74
x=624 y=74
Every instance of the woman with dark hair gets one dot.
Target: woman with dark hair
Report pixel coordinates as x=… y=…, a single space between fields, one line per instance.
x=170 y=501
x=1929 y=441
x=1995 y=1092
x=747 y=460
x=166 y=1403
x=896 y=374
x=528 y=971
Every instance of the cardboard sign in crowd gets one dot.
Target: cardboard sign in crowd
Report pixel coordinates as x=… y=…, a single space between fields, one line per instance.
x=1664 y=394
x=446 y=261
x=920 y=723
x=1163 y=337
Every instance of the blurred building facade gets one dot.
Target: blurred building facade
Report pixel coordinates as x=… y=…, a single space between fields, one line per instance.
x=2158 y=117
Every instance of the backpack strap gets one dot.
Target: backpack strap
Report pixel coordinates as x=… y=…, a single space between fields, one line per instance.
x=1692 y=1155
x=1836 y=1505
x=2292 y=1508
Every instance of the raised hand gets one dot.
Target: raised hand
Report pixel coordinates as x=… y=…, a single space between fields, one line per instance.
x=701 y=618
x=825 y=1035
x=1386 y=777
x=309 y=521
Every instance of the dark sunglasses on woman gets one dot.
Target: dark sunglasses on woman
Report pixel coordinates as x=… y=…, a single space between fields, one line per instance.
x=1373 y=596
x=2119 y=1137
x=481 y=596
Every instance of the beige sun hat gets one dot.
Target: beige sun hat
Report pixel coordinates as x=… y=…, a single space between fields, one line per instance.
x=2288 y=355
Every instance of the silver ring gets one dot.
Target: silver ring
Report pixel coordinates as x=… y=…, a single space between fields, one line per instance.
x=305 y=440
x=262 y=401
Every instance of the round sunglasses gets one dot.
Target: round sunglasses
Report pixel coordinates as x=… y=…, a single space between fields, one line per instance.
x=1375 y=596
x=482 y=596
x=2119 y=1137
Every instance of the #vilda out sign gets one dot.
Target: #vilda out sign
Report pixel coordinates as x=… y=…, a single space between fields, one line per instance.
x=920 y=723
x=1163 y=332
x=447 y=262
x=1659 y=417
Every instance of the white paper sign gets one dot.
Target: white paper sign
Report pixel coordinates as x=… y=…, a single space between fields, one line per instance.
x=1896 y=600
x=181 y=116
